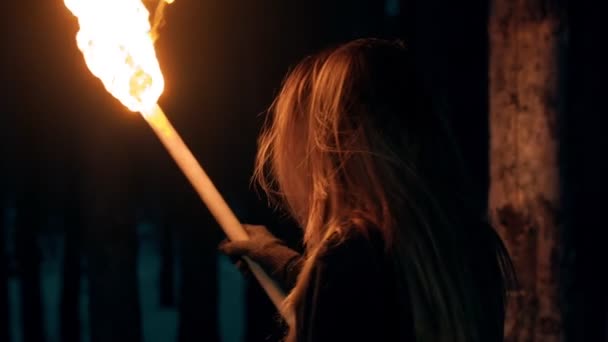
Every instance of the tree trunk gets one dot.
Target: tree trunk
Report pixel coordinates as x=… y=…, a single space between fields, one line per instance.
x=198 y=304
x=110 y=225
x=114 y=308
x=167 y=269
x=70 y=329
x=526 y=46
x=4 y=304
x=28 y=257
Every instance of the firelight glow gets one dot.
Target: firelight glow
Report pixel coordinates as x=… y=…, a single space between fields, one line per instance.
x=115 y=40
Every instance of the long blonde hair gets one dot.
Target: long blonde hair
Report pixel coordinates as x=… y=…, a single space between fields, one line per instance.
x=353 y=142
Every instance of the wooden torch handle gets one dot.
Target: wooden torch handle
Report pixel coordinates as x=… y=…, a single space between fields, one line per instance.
x=212 y=198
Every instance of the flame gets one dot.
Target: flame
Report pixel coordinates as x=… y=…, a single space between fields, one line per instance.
x=118 y=48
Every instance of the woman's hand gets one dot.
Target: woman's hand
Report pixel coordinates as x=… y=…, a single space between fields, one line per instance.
x=271 y=253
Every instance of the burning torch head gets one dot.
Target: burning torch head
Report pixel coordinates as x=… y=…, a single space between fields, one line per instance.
x=115 y=40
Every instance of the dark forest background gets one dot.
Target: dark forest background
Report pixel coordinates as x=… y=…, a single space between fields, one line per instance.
x=101 y=237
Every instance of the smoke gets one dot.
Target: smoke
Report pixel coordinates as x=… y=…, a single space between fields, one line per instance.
x=159 y=18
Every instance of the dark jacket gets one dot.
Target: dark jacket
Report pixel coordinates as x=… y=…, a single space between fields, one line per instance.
x=351 y=295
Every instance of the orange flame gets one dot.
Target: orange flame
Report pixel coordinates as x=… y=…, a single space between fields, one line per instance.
x=118 y=48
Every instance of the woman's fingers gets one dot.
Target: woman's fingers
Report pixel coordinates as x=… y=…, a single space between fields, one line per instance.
x=235 y=248
x=249 y=227
x=257 y=232
x=260 y=239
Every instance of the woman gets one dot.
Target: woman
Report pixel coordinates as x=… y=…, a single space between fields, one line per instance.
x=393 y=249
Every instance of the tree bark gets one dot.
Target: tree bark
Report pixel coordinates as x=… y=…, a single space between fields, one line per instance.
x=526 y=46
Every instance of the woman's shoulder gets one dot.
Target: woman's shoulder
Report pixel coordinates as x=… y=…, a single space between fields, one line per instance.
x=350 y=295
x=353 y=246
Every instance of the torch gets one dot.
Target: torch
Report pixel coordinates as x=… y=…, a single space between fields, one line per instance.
x=118 y=46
